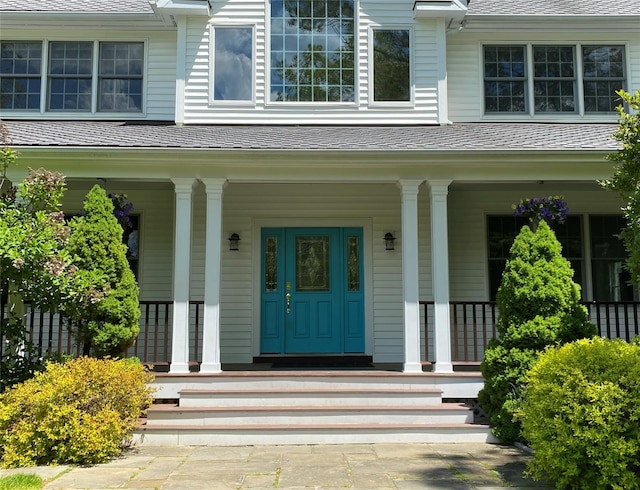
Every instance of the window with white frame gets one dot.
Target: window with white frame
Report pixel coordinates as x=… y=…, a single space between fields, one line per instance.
x=232 y=63
x=391 y=65
x=70 y=74
x=550 y=73
x=312 y=51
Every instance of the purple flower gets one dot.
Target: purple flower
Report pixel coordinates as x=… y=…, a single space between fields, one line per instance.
x=552 y=208
x=122 y=207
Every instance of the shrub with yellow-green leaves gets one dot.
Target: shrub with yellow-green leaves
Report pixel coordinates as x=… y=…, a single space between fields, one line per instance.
x=82 y=412
x=581 y=415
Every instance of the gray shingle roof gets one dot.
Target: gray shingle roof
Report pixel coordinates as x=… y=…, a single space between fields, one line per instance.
x=471 y=136
x=78 y=6
x=555 y=7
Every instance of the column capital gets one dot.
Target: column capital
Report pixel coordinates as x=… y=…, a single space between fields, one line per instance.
x=214 y=185
x=409 y=186
x=183 y=184
x=439 y=186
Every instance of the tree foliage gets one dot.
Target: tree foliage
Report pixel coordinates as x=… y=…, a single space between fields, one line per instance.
x=539 y=305
x=34 y=265
x=106 y=317
x=626 y=177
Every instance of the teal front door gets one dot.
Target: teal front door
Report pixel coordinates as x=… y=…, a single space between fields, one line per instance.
x=312 y=291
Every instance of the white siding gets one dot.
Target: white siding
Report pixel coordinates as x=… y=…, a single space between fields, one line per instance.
x=371 y=13
x=465 y=73
x=160 y=76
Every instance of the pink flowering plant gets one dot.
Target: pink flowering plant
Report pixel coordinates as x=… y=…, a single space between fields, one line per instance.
x=536 y=209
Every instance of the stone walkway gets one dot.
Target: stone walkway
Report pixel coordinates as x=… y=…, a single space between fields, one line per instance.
x=363 y=466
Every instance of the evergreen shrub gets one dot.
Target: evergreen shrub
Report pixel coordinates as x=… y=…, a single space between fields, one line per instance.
x=538 y=305
x=81 y=412
x=581 y=415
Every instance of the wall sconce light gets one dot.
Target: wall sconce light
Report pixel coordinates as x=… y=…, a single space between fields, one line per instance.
x=388 y=241
x=233 y=241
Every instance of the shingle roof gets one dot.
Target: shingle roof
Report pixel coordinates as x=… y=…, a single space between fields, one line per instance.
x=470 y=136
x=78 y=6
x=555 y=7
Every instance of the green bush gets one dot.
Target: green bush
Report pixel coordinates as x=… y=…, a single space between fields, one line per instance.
x=581 y=414
x=83 y=412
x=106 y=317
x=539 y=305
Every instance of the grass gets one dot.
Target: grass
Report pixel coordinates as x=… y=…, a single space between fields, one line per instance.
x=20 y=482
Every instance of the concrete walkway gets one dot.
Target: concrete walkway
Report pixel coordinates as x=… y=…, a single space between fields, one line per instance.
x=364 y=466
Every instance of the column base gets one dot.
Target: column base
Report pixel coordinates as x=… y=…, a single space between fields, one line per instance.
x=179 y=368
x=443 y=367
x=412 y=367
x=210 y=368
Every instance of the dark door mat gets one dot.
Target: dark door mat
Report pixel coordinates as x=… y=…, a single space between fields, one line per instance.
x=356 y=362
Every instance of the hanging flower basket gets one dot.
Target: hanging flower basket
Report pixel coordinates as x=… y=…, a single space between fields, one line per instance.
x=536 y=209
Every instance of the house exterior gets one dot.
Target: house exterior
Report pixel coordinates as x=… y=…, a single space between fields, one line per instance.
x=313 y=129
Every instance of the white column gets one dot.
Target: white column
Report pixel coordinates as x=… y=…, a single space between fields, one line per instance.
x=181 y=267
x=212 y=277
x=410 y=279
x=440 y=266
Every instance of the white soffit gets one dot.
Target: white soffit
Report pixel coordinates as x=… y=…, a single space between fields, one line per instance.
x=452 y=10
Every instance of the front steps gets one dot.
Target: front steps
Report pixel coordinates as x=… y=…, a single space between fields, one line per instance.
x=306 y=407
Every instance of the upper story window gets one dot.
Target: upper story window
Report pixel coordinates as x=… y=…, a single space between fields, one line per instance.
x=71 y=75
x=391 y=65
x=312 y=51
x=232 y=63
x=545 y=78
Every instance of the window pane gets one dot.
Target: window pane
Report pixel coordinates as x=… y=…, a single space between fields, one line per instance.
x=233 y=63
x=120 y=77
x=312 y=263
x=70 y=73
x=554 y=84
x=610 y=277
x=603 y=68
x=391 y=67
x=309 y=40
x=505 y=77
x=20 y=66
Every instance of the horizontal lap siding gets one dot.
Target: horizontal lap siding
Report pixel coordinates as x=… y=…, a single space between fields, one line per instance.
x=247 y=204
x=465 y=71
x=371 y=12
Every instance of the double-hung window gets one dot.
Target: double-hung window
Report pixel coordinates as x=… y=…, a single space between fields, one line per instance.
x=538 y=79
x=72 y=76
x=391 y=65
x=312 y=55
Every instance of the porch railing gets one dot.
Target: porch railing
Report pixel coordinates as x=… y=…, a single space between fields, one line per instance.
x=472 y=326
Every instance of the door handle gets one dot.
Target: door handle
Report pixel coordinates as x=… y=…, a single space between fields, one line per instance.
x=288 y=302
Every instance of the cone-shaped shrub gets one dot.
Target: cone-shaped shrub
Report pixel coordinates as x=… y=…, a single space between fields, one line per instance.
x=539 y=305
x=107 y=322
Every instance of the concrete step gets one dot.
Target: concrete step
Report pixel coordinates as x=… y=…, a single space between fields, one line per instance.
x=342 y=395
x=453 y=385
x=450 y=413
x=310 y=434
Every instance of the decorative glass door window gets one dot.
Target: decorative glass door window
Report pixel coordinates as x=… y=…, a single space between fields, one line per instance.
x=312 y=263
